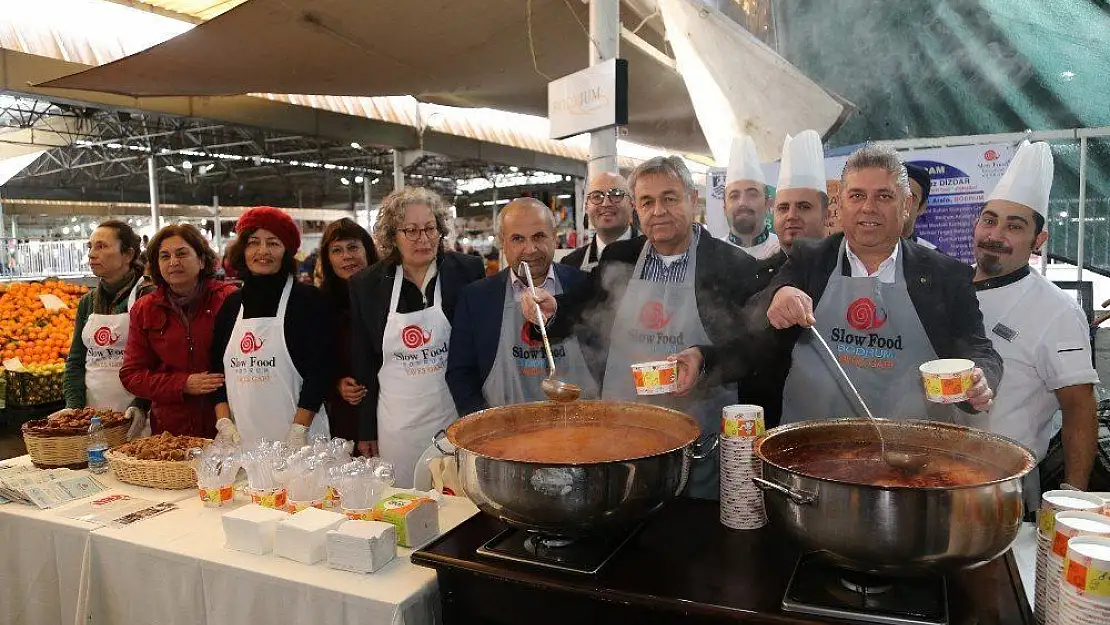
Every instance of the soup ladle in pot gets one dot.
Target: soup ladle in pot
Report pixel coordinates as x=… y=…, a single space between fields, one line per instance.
x=554 y=388
x=908 y=461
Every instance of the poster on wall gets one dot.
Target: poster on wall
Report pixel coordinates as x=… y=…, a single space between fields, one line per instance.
x=962 y=177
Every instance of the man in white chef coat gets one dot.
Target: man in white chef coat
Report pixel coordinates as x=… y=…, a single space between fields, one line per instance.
x=747 y=199
x=1040 y=331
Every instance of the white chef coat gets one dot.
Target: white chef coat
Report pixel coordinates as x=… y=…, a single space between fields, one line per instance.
x=1044 y=340
x=760 y=251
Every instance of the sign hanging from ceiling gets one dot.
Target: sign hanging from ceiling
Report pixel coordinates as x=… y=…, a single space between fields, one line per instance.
x=596 y=97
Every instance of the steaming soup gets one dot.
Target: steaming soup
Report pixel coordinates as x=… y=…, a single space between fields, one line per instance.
x=576 y=444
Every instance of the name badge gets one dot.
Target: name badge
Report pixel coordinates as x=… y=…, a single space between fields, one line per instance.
x=1005 y=332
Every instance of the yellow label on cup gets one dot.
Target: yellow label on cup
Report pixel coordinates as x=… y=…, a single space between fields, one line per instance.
x=1088 y=579
x=742 y=427
x=269 y=499
x=1046 y=520
x=217 y=495
x=365 y=514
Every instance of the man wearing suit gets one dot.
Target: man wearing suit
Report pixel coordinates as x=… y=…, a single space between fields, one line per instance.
x=651 y=296
x=884 y=306
x=493 y=360
x=609 y=206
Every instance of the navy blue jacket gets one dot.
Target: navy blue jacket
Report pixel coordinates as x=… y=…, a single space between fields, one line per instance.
x=476 y=333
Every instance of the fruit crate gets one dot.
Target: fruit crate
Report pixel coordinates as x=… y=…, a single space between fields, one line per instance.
x=33 y=388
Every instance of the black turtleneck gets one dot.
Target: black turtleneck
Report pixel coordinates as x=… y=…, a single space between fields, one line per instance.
x=308 y=332
x=999 y=281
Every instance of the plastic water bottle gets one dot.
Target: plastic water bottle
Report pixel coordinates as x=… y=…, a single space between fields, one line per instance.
x=97 y=446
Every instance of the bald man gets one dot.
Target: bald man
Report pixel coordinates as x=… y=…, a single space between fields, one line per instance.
x=609 y=205
x=492 y=360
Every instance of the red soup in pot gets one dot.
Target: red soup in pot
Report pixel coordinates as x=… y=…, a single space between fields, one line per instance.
x=862 y=463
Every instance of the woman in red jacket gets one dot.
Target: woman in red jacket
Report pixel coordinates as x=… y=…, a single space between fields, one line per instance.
x=168 y=347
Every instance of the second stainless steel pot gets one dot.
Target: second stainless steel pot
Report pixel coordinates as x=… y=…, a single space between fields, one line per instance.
x=896 y=530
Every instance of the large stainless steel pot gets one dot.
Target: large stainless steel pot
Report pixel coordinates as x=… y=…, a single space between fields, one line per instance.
x=573 y=499
x=896 y=530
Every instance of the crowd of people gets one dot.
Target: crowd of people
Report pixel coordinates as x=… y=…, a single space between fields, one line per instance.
x=400 y=334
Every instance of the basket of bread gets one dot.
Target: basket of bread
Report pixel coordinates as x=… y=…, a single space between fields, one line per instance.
x=62 y=439
x=162 y=461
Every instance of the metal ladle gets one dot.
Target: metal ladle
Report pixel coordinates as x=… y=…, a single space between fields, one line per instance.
x=908 y=461
x=555 y=389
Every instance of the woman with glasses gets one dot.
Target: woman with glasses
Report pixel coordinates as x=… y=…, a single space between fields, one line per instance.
x=401 y=311
x=273 y=339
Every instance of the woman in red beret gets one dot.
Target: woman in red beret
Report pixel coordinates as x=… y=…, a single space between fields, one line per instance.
x=272 y=339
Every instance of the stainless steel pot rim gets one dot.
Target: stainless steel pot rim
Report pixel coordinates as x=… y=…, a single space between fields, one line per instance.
x=690 y=447
x=1030 y=464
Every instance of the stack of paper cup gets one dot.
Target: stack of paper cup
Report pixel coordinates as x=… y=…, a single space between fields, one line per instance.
x=1085 y=587
x=1069 y=525
x=741 y=500
x=1052 y=502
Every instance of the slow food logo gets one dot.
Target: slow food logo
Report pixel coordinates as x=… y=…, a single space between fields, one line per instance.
x=105 y=337
x=414 y=336
x=864 y=315
x=653 y=317
x=250 y=343
x=526 y=336
x=990 y=155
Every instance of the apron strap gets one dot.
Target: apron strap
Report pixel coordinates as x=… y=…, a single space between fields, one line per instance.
x=396 y=293
x=284 y=302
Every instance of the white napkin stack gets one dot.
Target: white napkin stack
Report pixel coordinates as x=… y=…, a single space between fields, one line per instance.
x=302 y=537
x=362 y=546
x=252 y=528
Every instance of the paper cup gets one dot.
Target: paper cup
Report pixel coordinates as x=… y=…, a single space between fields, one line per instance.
x=742 y=421
x=947 y=380
x=1085 y=590
x=363 y=514
x=216 y=496
x=332 y=498
x=1069 y=525
x=275 y=498
x=1055 y=501
x=655 y=378
x=294 y=507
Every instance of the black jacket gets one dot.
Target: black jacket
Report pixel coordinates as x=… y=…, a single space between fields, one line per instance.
x=579 y=256
x=370 y=293
x=476 y=334
x=939 y=286
x=726 y=278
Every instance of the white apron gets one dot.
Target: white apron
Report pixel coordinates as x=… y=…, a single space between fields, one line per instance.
x=521 y=364
x=104 y=337
x=262 y=383
x=413 y=401
x=666 y=321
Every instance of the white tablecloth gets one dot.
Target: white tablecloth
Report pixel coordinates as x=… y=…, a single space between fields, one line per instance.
x=41 y=556
x=174 y=568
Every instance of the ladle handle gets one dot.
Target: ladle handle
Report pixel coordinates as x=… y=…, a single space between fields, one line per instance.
x=539 y=315
x=843 y=374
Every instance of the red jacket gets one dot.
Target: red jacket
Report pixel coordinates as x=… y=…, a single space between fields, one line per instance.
x=161 y=352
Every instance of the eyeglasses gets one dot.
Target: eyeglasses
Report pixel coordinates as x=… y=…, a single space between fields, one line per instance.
x=597 y=198
x=413 y=234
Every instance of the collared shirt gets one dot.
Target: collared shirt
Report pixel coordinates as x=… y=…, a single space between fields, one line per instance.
x=886 y=272
x=520 y=286
x=599 y=245
x=668 y=269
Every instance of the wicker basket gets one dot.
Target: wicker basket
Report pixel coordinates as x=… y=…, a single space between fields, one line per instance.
x=26 y=388
x=164 y=474
x=68 y=448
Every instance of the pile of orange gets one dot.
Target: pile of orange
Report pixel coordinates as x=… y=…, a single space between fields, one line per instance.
x=28 y=330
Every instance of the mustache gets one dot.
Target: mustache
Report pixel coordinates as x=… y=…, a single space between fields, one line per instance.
x=996 y=247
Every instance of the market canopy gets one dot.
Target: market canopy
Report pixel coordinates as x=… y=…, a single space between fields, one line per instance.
x=498 y=54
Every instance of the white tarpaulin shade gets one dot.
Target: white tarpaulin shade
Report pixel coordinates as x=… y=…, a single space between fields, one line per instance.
x=9 y=167
x=490 y=53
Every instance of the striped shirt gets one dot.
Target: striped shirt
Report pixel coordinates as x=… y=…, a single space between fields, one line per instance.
x=657 y=270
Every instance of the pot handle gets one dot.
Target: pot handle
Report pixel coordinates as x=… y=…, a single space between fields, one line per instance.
x=439 y=436
x=800 y=497
x=701 y=450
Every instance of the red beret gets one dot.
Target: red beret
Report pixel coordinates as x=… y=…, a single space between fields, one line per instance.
x=273 y=219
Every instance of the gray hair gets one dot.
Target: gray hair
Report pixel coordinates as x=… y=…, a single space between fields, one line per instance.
x=530 y=202
x=874 y=155
x=391 y=217
x=671 y=166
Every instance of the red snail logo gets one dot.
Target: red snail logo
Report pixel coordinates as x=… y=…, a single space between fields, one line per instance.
x=864 y=315
x=104 y=336
x=990 y=155
x=250 y=343
x=653 y=317
x=526 y=336
x=415 y=336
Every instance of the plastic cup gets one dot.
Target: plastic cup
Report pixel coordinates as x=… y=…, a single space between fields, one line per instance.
x=947 y=380
x=269 y=498
x=216 y=496
x=657 y=377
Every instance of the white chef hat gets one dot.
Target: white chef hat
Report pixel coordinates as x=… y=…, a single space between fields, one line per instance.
x=743 y=161
x=1028 y=179
x=803 y=163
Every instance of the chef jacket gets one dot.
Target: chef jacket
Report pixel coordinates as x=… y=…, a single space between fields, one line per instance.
x=1044 y=340
x=765 y=245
